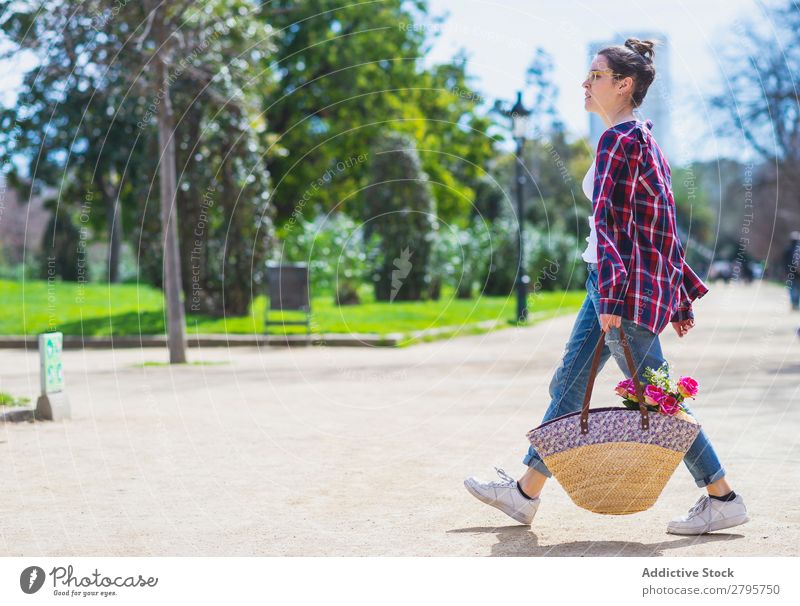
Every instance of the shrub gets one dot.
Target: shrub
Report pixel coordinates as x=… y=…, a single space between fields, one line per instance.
x=338 y=255
x=552 y=259
x=399 y=207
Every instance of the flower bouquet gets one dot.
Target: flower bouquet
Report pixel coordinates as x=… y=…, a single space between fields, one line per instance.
x=661 y=394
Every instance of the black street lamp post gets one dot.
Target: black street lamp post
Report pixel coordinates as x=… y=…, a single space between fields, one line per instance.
x=519 y=122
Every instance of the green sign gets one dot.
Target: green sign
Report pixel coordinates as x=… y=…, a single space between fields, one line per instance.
x=52 y=376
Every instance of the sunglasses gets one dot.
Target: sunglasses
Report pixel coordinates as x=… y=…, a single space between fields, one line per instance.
x=594 y=74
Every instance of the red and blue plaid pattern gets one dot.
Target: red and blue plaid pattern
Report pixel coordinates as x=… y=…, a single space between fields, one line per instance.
x=642 y=274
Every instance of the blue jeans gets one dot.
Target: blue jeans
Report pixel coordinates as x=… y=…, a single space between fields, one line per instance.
x=794 y=292
x=568 y=385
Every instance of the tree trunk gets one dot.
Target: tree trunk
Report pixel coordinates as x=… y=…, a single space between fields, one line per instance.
x=114 y=239
x=109 y=186
x=176 y=326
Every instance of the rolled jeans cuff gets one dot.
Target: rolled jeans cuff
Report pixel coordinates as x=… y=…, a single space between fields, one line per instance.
x=703 y=482
x=532 y=460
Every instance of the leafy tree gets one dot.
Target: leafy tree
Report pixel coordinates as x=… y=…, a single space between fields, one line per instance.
x=345 y=73
x=540 y=85
x=66 y=121
x=553 y=194
x=399 y=207
x=490 y=197
x=60 y=242
x=88 y=119
x=759 y=111
x=760 y=100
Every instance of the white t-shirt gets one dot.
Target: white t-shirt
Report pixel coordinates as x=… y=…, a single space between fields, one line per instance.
x=590 y=254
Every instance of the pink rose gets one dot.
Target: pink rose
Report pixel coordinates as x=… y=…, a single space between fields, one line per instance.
x=669 y=405
x=687 y=387
x=627 y=389
x=653 y=395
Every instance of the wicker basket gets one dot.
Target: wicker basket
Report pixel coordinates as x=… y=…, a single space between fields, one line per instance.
x=614 y=460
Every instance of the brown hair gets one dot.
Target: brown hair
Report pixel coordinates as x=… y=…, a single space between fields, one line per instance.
x=634 y=59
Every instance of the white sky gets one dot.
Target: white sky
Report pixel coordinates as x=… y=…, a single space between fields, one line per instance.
x=500 y=37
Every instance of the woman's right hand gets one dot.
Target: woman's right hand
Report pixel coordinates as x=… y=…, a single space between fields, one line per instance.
x=683 y=326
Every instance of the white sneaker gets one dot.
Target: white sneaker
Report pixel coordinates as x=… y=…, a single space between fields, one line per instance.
x=708 y=515
x=505 y=496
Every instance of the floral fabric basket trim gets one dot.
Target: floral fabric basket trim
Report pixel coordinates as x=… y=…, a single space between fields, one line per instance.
x=618 y=425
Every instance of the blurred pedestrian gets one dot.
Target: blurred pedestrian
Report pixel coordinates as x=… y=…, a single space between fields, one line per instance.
x=791 y=263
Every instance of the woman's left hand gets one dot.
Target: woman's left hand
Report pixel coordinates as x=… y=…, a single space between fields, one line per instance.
x=683 y=326
x=607 y=322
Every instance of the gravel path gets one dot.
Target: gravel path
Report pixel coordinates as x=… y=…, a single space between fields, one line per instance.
x=345 y=451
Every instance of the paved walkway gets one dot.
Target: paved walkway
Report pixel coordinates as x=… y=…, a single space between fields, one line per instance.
x=316 y=451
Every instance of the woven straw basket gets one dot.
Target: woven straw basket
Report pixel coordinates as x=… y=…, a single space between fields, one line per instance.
x=614 y=460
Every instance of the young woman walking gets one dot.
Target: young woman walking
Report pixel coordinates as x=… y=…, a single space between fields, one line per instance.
x=638 y=279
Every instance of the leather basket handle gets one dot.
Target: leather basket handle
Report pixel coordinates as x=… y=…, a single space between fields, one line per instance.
x=645 y=419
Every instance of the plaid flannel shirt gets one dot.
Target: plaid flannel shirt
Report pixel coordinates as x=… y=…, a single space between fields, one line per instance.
x=642 y=274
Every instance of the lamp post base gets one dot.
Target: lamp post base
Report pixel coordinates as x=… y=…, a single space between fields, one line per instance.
x=53 y=407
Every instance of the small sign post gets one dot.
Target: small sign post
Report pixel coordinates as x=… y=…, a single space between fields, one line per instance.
x=53 y=404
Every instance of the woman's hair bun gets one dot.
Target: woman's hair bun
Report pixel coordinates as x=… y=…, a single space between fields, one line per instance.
x=646 y=48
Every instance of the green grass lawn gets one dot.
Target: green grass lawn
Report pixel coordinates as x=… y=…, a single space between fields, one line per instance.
x=32 y=307
x=6 y=399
